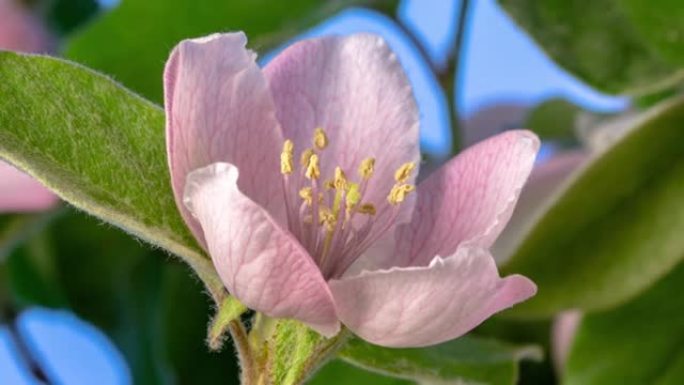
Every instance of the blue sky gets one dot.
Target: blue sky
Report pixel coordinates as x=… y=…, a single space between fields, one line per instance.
x=501 y=65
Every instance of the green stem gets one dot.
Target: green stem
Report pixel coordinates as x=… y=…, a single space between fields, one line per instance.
x=451 y=79
x=244 y=352
x=449 y=75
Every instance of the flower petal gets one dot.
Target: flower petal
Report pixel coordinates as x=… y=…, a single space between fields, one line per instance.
x=21 y=30
x=470 y=199
x=219 y=109
x=261 y=264
x=356 y=90
x=21 y=193
x=563 y=333
x=545 y=182
x=420 y=306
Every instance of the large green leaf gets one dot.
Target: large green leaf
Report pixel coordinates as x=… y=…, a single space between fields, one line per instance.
x=133 y=41
x=99 y=146
x=467 y=360
x=617 y=227
x=641 y=342
x=597 y=41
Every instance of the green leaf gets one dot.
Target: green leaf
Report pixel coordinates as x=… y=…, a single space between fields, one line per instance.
x=554 y=119
x=523 y=332
x=64 y=16
x=596 y=41
x=465 y=360
x=638 y=343
x=16 y=228
x=617 y=226
x=99 y=146
x=127 y=32
x=659 y=22
x=339 y=372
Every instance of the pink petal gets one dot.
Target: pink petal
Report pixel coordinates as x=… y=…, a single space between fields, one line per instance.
x=219 y=109
x=470 y=199
x=355 y=89
x=22 y=31
x=420 y=306
x=545 y=181
x=21 y=193
x=562 y=335
x=261 y=264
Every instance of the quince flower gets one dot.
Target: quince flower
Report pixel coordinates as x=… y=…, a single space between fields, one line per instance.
x=20 y=30
x=21 y=193
x=299 y=181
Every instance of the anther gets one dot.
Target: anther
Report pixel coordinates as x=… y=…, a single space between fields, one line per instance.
x=366 y=208
x=327 y=218
x=286 y=163
x=329 y=184
x=306 y=156
x=404 y=172
x=366 y=168
x=312 y=169
x=399 y=192
x=307 y=195
x=340 y=181
x=320 y=140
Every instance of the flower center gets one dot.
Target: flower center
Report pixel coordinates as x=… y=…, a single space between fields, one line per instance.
x=330 y=217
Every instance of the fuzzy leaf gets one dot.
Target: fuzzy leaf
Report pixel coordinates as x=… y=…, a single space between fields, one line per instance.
x=598 y=42
x=98 y=146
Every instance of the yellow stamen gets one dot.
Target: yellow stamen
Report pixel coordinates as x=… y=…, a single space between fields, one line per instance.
x=312 y=169
x=327 y=218
x=366 y=168
x=404 y=172
x=286 y=163
x=306 y=156
x=399 y=192
x=353 y=195
x=307 y=195
x=320 y=140
x=329 y=184
x=367 y=208
x=340 y=181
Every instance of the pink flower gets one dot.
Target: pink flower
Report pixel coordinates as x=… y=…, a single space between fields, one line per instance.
x=21 y=31
x=21 y=193
x=290 y=175
x=545 y=182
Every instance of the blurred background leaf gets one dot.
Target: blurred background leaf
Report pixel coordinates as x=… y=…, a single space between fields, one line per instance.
x=598 y=41
x=66 y=16
x=637 y=343
x=143 y=32
x=617 y=228
x=98 y=146
x=150 y=306
x=554 y=120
